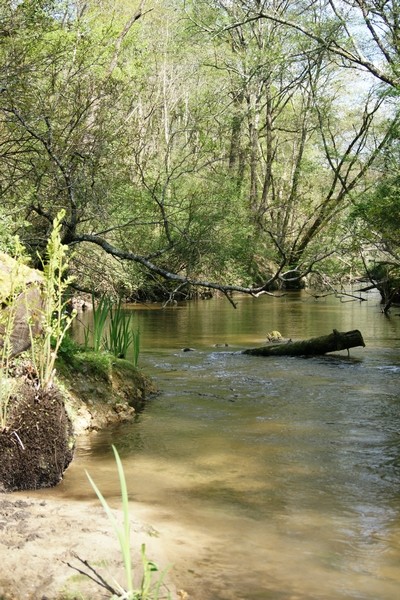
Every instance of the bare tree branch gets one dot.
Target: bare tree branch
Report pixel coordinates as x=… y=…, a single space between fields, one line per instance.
x=330 y=45
x=165 y=274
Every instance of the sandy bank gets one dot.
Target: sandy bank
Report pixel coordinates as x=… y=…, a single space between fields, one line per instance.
x=39 y=536
x=42 y=531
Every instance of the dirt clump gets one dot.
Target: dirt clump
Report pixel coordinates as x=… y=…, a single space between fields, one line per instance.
x=91 y=392
x=37 y=444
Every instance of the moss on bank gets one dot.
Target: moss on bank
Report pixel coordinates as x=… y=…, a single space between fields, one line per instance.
x=101 y=389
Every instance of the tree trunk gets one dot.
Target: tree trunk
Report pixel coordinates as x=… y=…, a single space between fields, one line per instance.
x=321 y=345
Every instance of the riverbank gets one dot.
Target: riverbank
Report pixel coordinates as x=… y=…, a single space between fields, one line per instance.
x=101 y=390
x=41 y=539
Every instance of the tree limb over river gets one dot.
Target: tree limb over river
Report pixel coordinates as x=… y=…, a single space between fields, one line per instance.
x=280 y=276
x=181 y=280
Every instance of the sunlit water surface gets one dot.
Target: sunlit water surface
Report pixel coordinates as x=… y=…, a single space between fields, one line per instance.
x=276 y=478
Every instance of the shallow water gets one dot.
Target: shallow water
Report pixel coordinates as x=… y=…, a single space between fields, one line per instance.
x=277 y=478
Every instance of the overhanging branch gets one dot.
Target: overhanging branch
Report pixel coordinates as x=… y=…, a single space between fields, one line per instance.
x=168 y=275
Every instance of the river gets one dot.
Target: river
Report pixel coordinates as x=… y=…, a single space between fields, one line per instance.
x=274 y=478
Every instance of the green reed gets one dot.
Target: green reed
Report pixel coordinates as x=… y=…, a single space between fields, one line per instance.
x=120 y=336
x=148 y=590
x=101 y=312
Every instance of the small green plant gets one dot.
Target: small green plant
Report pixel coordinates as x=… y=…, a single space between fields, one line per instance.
x=55 y=320
x=7 y=318
x=68 y=349
x=120 y=336
x=149 y=589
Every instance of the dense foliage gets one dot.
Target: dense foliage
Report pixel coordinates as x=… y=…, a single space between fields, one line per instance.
x=217 y=144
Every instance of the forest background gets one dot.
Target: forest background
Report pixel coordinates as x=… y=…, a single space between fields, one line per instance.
x=204 y=145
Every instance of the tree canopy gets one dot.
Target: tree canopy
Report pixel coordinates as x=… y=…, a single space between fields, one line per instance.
x=203 y=144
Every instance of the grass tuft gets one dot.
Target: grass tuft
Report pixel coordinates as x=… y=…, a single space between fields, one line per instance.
x=148 y=589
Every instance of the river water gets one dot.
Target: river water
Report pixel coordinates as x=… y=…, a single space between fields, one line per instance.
x=274 y=478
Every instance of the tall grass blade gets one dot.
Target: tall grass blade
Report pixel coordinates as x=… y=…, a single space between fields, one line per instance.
x=120 y=336
x=123 y=534
x=127 y=530
x=101 y=312
x=148 y=589
x=136 y=347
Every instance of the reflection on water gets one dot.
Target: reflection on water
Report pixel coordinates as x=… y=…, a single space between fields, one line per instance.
x=276 y=478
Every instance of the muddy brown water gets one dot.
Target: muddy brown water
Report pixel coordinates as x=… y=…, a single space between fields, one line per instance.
x=274 y=478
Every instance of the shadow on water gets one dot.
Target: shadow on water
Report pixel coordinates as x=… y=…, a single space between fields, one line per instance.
x=276 y=478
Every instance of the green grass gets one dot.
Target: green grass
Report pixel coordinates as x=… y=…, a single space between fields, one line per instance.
x=112 y=330
x=120 y=334
x=149 y=589
x=101 y=312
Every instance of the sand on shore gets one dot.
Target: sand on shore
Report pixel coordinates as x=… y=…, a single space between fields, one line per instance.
x=40 y=538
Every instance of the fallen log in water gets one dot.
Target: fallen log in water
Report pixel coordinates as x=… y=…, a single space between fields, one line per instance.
x=315 y=346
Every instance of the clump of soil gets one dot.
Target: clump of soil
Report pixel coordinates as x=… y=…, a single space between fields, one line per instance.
x=37 y=444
